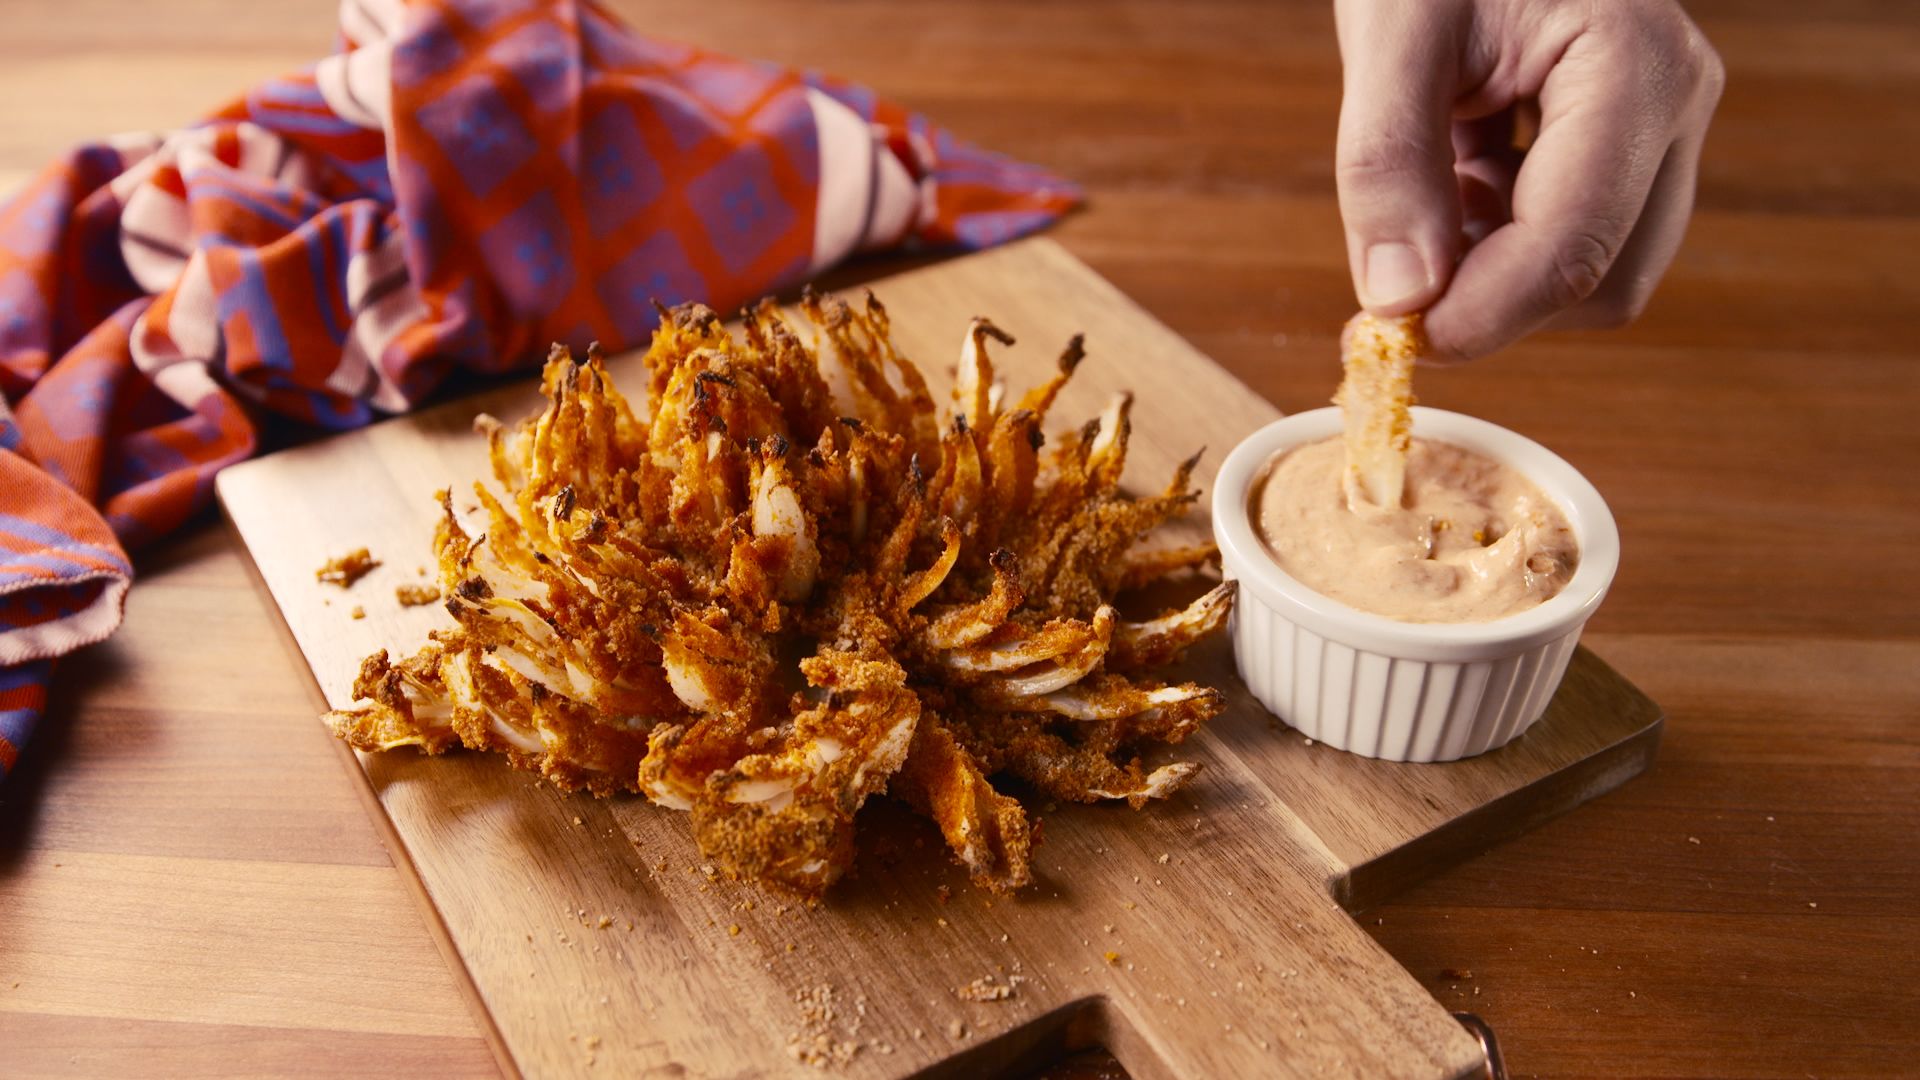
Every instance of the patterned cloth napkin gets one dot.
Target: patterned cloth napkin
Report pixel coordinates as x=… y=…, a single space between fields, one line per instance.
x=461 y=184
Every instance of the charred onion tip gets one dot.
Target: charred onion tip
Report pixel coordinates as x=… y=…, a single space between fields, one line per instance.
x=852 y=423
x=778 y=446
x=753 y=444
x=1075 y=352
x=960 y=426
x=982 y=325
x=1001 y=559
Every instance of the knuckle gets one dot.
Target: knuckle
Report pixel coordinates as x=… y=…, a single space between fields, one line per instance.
x=1369 y=159
x=1578 y=264
x=1712 y=77
x=1698 y=61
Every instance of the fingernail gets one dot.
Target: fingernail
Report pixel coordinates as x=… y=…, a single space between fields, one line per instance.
x=1395 y=272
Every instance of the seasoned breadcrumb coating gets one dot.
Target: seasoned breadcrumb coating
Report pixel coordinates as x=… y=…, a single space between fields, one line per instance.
x=1375 y=397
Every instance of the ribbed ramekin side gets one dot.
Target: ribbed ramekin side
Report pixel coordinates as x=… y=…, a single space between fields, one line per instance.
x=1387 y=707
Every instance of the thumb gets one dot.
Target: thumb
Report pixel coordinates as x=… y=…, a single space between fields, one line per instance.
x=1399 y=199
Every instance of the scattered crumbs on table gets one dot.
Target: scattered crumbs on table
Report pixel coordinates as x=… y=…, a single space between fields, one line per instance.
x=1693 y=839
x=358 y=612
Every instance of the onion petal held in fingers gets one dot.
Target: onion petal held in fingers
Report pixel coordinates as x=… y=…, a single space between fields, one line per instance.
x=1374 y=398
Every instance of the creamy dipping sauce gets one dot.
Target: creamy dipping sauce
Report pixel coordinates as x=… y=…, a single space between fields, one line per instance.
x=1471 y=541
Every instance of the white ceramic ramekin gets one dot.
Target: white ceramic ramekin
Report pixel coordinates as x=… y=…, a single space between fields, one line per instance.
x=1398 y=690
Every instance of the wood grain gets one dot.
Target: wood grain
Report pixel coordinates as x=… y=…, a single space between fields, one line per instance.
x=1247 y=857
x=1752 y=434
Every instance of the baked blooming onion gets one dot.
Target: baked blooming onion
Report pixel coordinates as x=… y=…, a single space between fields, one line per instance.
x=631 y=610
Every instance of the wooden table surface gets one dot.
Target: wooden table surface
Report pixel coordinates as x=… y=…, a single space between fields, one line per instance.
x=190 y=885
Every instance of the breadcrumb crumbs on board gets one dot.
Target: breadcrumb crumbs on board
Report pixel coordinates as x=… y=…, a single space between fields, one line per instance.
x=347 y=569
x=358 y=612
x=985 y=988
x=415 y=595
x=819 y=1042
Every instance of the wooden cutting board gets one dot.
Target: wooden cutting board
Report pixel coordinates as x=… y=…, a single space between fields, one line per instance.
x=1204 y=937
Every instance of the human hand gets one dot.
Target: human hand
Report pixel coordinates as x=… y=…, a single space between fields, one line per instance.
x=1442 y=213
